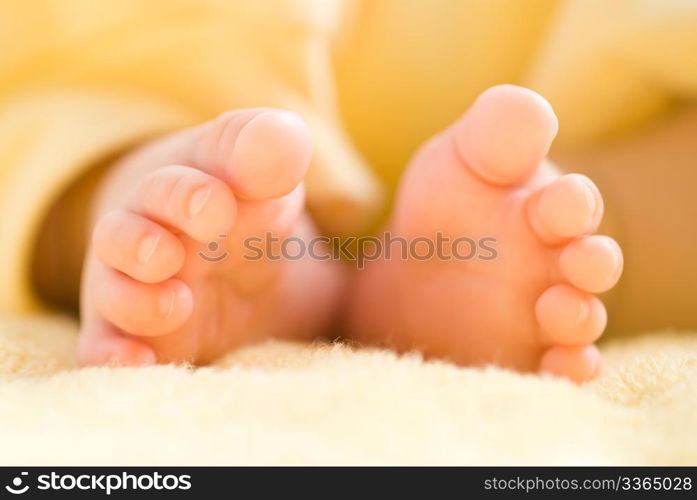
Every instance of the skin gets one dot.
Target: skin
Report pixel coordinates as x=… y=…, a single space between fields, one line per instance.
x=627 y=171
x=532 y=306
x=147 y=294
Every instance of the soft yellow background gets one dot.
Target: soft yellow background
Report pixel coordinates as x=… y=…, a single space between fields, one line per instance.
x=82 y=79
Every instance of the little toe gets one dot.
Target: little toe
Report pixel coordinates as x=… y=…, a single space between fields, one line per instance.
x=100 y=344
x=262 y=153
x=593 y=263
x=188 y=200
x=506 y=133
x=137 y=246
x=569 y=317
x=566 y=208
x=137 y=308
x=578 y=364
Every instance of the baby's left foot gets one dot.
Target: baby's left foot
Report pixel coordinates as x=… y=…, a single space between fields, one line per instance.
x=175 y=272
x=523 y=299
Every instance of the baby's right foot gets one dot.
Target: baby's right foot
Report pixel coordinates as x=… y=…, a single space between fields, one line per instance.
x=154 y=292
x=529 y=305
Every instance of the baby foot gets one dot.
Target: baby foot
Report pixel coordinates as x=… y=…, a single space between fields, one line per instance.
x=166 y=278
x=527 y=304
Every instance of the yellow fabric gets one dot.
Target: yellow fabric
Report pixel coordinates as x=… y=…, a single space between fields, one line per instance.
x=406 y=69
x=81 y=79
x=46 y=139
x=281 y=403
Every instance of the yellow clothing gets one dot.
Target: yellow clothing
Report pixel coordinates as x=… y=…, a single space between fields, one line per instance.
x=81 y=80
x=408 y=68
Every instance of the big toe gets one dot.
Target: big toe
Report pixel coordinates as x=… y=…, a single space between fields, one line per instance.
x=506 y=133
x=262 y=153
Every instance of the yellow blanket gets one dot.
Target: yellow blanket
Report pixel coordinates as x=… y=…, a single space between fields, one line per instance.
x=281 y=403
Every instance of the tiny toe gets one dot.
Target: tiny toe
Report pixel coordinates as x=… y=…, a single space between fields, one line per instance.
x=570 y=317
x=100 y=344
x=593 y=263
x=137 y=246
x=191 y=201
x=277 y=216
x=506 y=133
x=579 y=364
x=262 y=153
x=568 y=207
x=145 y=309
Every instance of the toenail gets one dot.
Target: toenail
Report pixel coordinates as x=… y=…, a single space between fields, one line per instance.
x=584 y=312
x=198 y=200
x=167 y=303
x=147 y=247
x=589 y=196
x=616 y=257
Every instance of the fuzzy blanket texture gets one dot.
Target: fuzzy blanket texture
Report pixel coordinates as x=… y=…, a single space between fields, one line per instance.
x=288 y=403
